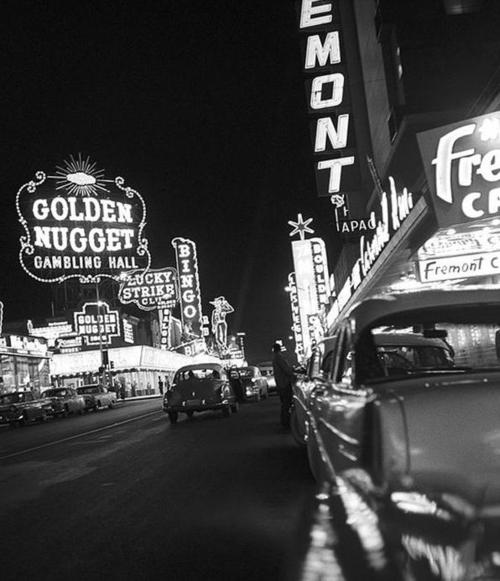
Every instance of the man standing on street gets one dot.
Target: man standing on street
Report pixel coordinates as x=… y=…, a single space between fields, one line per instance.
x=283 y=375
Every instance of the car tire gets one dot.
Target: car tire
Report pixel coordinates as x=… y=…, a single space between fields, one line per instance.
x=226 y=411
x=65 y=411
x=257 y=396
x=190 y=414
x=44 y=417
x=111 y=405
x=173 y=417
x=235 y=408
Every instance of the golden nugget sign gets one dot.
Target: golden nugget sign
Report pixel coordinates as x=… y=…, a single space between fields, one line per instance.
x=96 y=323
x=462 y=164
x=151 y=290
x=80 y=225
x=333 y=137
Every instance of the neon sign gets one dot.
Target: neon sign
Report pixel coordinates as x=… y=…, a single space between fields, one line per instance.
x=189 y=285
x=219 y=325
x=96 y=323
x=80 y=225
x=333 y=135
x=151 y=290
x=394 y=209
x=462 y=164
x=296 y=322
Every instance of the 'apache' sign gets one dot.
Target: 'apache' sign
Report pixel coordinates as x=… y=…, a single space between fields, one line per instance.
x=80 y=225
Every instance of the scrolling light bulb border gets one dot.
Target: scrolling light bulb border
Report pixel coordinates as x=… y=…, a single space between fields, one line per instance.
x=80 y=225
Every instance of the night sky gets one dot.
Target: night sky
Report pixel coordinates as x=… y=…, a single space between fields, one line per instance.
x=200 y=106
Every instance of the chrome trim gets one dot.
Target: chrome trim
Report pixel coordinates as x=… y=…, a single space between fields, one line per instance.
x=339 y=434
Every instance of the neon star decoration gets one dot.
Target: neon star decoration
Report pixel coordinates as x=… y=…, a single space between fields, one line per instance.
x=80 y=177
x=301 y=227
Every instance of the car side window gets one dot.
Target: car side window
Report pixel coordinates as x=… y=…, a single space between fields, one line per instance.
x=344 y=370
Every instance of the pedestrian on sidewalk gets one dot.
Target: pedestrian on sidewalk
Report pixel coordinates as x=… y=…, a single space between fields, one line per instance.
x=283 y=375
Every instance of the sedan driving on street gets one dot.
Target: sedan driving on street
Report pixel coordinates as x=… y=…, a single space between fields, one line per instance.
x=197 y=388
x=253 y=383
x=64 y=400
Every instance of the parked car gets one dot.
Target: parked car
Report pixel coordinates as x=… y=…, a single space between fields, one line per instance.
x=402 y=415
x=96 y=396
x=64 y=400
x=197 y=388
x=22 y=407
x=253 y=383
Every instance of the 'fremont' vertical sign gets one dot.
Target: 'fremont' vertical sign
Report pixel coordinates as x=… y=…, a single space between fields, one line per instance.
x=333 y=136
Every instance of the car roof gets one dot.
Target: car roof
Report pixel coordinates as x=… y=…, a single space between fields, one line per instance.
x=366 y=313
x=410 y=339
x=216 y=366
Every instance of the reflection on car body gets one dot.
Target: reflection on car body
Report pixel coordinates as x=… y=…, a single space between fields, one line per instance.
x=198 y=388
x=22 y=407
x=64 y=400
x=402 y=405
x=96 y=396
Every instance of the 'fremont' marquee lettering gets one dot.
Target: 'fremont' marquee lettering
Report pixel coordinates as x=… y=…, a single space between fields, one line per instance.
x=327 y=91
x=462 y=163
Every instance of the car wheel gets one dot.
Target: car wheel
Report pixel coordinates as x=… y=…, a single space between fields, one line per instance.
x=265 y=395
x=190 y=414
x=24 y=420
x=257 y=396
x=111 y=405
x=173 y=417
x=66 y=411
x=235 y=408
x=226 y=411
x=44 y=417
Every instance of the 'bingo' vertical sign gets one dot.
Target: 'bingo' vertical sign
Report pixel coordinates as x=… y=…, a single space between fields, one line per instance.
x=189 y=285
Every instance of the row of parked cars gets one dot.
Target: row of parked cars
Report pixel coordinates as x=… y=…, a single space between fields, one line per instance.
x=399 y=414
x=21 y=407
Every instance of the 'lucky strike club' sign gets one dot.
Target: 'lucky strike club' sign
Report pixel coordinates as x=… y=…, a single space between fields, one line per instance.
x=189 y=285
x=157 y=288
x=462 y=164
x=97 y=324
x=80 y=225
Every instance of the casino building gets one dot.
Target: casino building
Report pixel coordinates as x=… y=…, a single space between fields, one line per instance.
x=406 y=109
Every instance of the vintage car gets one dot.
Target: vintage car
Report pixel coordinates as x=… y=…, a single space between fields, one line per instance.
x=96 y=396
x=64 y=400
x=266 y=369
x=22 y=407
x=400 y=415
x=197 y=388
x=253 y=383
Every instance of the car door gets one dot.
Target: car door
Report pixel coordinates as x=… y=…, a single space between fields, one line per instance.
x=340 y=407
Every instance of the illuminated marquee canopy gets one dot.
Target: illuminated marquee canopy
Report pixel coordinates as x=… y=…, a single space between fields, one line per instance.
x=80 y=225
x=151 y=290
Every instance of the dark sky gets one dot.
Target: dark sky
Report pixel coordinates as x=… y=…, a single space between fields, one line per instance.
x=199 y=105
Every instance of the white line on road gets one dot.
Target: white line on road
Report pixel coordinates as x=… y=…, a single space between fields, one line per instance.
x=48 y=444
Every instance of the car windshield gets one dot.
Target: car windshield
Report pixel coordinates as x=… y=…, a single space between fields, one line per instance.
x=54 y=393
x=429 y=343
x=187 y=374
x=246 y=372
x=88 y=389
x=10 y=398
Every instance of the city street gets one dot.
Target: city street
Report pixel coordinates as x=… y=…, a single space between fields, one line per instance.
x=121 y=494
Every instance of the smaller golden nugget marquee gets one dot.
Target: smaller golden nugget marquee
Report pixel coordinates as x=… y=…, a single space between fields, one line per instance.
x=151 y=290
x=96 y=323
x=80 y=225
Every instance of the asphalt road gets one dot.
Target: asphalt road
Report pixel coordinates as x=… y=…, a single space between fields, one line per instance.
x=121 y=494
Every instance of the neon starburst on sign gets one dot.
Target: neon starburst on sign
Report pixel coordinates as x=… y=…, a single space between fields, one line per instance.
x=301 y=226
x=80 y=177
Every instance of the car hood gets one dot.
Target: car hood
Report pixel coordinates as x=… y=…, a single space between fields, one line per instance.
x=448 y=430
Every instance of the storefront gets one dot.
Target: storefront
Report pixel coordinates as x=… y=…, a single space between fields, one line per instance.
x=449 y=236
x=24 y=364
x=135 y=370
